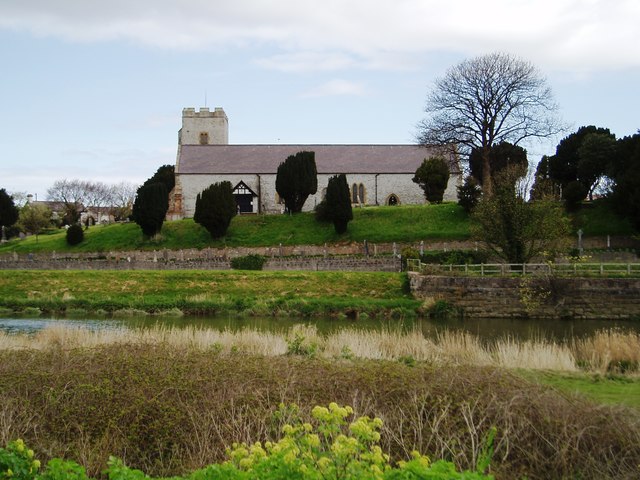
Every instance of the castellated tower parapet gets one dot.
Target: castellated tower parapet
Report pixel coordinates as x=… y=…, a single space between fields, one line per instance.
x=204 y=127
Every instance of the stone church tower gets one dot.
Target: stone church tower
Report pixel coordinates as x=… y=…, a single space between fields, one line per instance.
x=203 y=127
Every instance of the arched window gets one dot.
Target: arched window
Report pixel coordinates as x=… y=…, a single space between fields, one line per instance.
x=204 y=138
x=358 y=193
x=393 y=199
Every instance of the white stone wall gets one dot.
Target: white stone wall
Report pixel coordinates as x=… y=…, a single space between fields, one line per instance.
x=408 y=193
x=215 y=124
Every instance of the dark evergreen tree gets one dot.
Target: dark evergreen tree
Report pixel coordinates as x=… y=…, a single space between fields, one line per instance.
x=150 y=207
x=166 y=175
x=338 y=203
x=501 y=156
x=8 y=211
x=215 y=207
x=75 y=234
x=565 y=166
x=469 y=194
x=432 y=176
x=625 y=173
x=296 y=179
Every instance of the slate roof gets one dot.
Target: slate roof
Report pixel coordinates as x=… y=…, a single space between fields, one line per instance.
x=330 y=159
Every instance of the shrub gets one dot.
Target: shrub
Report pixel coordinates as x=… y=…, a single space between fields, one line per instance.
x=150 y=207
x=469 y=194
x=75 y=234
x=433 y=176
x=327 y=449
x=574 y=193
x=248 y=262
x=215 y=208
x=296 y=179
x=338 y=203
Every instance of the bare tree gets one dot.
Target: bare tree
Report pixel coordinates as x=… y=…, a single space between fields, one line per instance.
x=73 y=194
x=122 y=196
x=487 y=100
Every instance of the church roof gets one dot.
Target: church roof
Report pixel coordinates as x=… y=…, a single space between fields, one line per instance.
x=330 y=159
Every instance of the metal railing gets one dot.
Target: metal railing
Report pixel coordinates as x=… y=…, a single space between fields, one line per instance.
x=514 y=269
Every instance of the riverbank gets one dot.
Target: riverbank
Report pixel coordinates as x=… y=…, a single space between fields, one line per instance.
x=168 y=409
x=302 y=294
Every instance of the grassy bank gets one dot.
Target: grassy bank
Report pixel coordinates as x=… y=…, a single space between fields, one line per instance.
x=169 y=409
x=209 y=292
x=375 y=224
x=403 y=224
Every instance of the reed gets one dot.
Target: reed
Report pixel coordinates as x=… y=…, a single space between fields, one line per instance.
x=605 y=351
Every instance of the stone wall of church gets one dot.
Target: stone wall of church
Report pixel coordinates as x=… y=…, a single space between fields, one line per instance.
x=377 y=189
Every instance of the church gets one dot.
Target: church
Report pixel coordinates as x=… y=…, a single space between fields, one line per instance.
x=376 y=174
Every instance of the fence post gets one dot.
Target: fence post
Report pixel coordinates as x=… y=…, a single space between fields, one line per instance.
x=482 y=269
x=601 y=269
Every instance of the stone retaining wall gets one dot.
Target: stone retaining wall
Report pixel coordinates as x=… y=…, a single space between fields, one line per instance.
x=143 y=262
x=533 y=297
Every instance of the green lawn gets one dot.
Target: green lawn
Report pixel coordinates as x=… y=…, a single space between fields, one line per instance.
x=246 y=292
x=375 y=224
x=403 y=224
x=617 y=390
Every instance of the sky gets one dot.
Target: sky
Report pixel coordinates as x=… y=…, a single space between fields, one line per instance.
x=94 y=90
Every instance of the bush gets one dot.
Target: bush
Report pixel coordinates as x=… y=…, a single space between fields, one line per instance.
x=469 y=194
x=327 y=449
x=248 y=262
x=432 y=176
x=215 y=208
x=338 y=203
x=150 y=207
x=75 y=234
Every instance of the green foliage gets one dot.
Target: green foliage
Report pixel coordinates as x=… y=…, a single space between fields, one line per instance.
x=75 y=234
x=248 y=262
x=432 y=176
x=34 y=218
x=501 y=156
x=165 y=175
x=337 y=207
x=150 y=207
x=469 y=194
x=573 y=194
x=625 y=172
x=514 y=229
x=327 y=449
x=296 y=179
x=215 y=207
x=573 y=161
x=8 y=211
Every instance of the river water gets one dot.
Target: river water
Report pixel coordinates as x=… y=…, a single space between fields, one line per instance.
x=486 y=329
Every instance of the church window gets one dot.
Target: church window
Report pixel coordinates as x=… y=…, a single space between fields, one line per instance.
x=204 y=138
x=357 y=193
x=393 y=199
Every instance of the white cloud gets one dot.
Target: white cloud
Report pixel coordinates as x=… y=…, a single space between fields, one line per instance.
x=337 y=87
x=581 y=35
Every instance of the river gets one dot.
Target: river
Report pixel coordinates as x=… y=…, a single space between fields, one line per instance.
x=486 y=329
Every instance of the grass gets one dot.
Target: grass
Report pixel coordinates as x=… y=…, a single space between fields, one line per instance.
x=606 y=389
x=168 y=409
x=598 y=219
x=245 y=292
x=375 y=224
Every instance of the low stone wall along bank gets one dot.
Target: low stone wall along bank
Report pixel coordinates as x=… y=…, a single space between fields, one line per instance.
x=532 y=297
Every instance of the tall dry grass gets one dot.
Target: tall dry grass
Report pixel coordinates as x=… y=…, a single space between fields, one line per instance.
x=608 y=350
x=604 y=351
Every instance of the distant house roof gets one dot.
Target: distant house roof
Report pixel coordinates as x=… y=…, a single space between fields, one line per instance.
x=330 y=159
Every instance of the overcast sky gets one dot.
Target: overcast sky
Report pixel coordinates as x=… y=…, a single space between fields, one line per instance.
x=95 y=89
